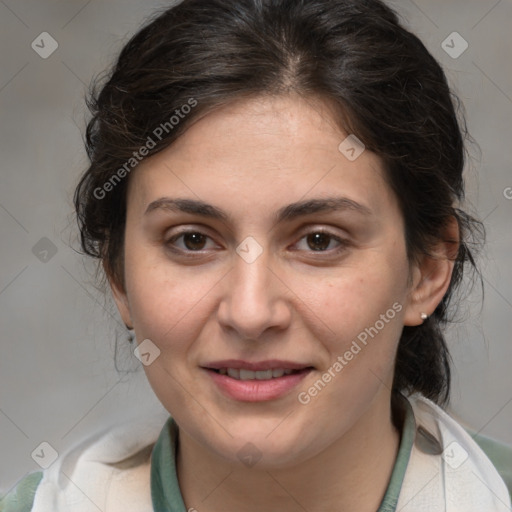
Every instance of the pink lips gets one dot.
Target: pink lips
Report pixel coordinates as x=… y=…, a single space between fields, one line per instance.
x=256 y=390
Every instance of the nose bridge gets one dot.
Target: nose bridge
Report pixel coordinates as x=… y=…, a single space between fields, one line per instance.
x=254 y=298
x=252 y=275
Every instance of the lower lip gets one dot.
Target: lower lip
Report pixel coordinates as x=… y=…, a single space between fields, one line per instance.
x=257 y=390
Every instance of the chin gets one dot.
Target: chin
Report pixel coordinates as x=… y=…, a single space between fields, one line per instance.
x=254 y=447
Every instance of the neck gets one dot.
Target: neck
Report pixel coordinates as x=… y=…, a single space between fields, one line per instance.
x=351 y=474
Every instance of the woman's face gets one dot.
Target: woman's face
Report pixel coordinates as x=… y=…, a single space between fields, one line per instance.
x=274 y=284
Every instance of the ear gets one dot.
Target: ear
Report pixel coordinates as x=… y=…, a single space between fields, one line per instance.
x=431 y=275
x=120 y=296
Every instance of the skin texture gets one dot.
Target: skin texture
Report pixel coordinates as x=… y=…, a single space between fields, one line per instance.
x=293 y=302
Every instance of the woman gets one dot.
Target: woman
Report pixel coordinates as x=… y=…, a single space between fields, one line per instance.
x=274 y=194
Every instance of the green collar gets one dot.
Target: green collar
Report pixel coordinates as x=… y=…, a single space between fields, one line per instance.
x=165 y=490
x=404 y=451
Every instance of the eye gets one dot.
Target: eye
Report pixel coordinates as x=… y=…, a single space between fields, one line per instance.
x=193 y=241
x=196 y=241
x=320 y=240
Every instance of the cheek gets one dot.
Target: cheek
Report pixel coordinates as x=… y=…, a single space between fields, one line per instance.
x=168 y=303
x=170 y=308
x=364 y=316
x=363 y=310
x=356 y=301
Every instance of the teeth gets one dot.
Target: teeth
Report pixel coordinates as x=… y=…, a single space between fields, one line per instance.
x=247 y=375
x=264 y=374
x=233 y=372
x=242 y=374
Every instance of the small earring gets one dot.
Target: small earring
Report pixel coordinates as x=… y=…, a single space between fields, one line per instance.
x=424 y=316
x=130 y=337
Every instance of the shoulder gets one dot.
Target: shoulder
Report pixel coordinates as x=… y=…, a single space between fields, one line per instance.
x=21 y=497
x=110 y=467
x=466 y=452
x=500 y=454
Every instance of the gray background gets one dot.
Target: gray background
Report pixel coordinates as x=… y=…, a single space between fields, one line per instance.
x=58 y=382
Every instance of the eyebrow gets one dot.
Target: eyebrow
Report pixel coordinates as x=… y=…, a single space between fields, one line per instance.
x=287 y=213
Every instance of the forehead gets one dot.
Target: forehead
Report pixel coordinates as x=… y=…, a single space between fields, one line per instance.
x=266 y=148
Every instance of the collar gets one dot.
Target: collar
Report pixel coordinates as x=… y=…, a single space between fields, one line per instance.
x=438 y=467
x=166 y=494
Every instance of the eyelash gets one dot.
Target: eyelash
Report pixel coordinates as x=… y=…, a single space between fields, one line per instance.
x=343 y=244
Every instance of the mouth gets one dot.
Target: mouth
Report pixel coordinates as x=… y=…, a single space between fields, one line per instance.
x=254 y=382
x=241 y=374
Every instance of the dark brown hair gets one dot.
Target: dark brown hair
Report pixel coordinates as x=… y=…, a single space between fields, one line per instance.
x=355 y=54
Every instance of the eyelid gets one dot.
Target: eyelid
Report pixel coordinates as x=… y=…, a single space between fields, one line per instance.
x=320 y=228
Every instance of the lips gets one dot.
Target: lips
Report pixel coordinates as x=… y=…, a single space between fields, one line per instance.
x=256 y=381
x=242 y=374
x=270 y=364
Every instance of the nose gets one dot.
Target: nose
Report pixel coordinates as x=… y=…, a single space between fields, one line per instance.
x=255 y=298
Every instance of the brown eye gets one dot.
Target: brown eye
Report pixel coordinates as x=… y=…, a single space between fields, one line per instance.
x=192 y=241
x=318 y=241
x=321 y=241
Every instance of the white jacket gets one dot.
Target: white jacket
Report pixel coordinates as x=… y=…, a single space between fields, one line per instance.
x=447 y=470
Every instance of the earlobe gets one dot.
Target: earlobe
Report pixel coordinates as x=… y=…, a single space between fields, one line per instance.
x=432 y=276
x=430 y=290
x=120 y=298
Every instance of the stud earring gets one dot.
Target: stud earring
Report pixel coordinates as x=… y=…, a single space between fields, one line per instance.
x=424 y=316
x=130 y=337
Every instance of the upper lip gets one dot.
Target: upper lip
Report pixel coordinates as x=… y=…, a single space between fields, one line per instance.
x=270 y=364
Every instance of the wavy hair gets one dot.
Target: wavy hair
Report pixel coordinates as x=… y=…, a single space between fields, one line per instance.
x=383 y=84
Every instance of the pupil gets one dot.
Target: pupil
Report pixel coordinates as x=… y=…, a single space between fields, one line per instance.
x=194 y=240
x=318 y=238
